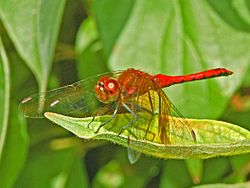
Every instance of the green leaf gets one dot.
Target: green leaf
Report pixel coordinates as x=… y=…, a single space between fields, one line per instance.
x=78 y=174
x=238 y=165
x=246 y=82
x=169 y=179
x=33 y=28
x=222 y=185
x=48 y=167
x=15 y=149
x=115 y=173
x=228 y=12
x=110 y=175
x=214 y=138
x=13 y=133
x=87 y=34
x=111 y=16
x=4 y=96
x=181 y=37
x=195 y=167
x=211 y=171
x=89 y=50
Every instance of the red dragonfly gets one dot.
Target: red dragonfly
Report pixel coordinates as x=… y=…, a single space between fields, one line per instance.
x=130 y=91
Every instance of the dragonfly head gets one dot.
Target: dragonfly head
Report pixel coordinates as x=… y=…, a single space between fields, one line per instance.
x=107 y=89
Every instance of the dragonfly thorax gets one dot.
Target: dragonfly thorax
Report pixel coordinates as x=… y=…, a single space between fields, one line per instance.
x=107 y=89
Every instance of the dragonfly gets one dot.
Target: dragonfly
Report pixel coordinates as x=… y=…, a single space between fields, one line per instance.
x=131 y=91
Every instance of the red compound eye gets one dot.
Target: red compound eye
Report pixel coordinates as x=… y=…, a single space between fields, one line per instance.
x=111 y=86
x=107 y=89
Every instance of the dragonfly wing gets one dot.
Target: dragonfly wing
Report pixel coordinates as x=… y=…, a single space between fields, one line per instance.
x=143 y=108
x=77 y=100
x=171 y=122
x=164 y=115
x=156 y=102
x=133 y=155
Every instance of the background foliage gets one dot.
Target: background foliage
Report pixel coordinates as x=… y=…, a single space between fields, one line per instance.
x=47 y=44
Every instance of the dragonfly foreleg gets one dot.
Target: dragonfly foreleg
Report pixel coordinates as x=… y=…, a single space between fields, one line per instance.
x=113 y=116
x=92 y=119
x=147 y=130
x=135 y=117
x=97 y=112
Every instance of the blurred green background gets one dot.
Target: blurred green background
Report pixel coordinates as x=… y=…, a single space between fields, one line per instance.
x=48 y=44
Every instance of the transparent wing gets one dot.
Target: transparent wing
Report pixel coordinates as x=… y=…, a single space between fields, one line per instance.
x=77 y=100
x=133 y=156
x=172 y=126
x=143 y=106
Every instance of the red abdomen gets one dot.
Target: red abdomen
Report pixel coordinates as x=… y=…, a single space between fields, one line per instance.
x=165 y=81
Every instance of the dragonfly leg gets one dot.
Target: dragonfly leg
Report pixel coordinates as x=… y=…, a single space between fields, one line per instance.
x=92 y=119
x=113 y=116
x=149 y=123
x=131 y=122
x=131 y=133
x=97 y=112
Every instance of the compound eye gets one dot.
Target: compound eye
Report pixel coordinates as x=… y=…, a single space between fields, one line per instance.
x=100 y=84
x=107 y=90
x=112 y=86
